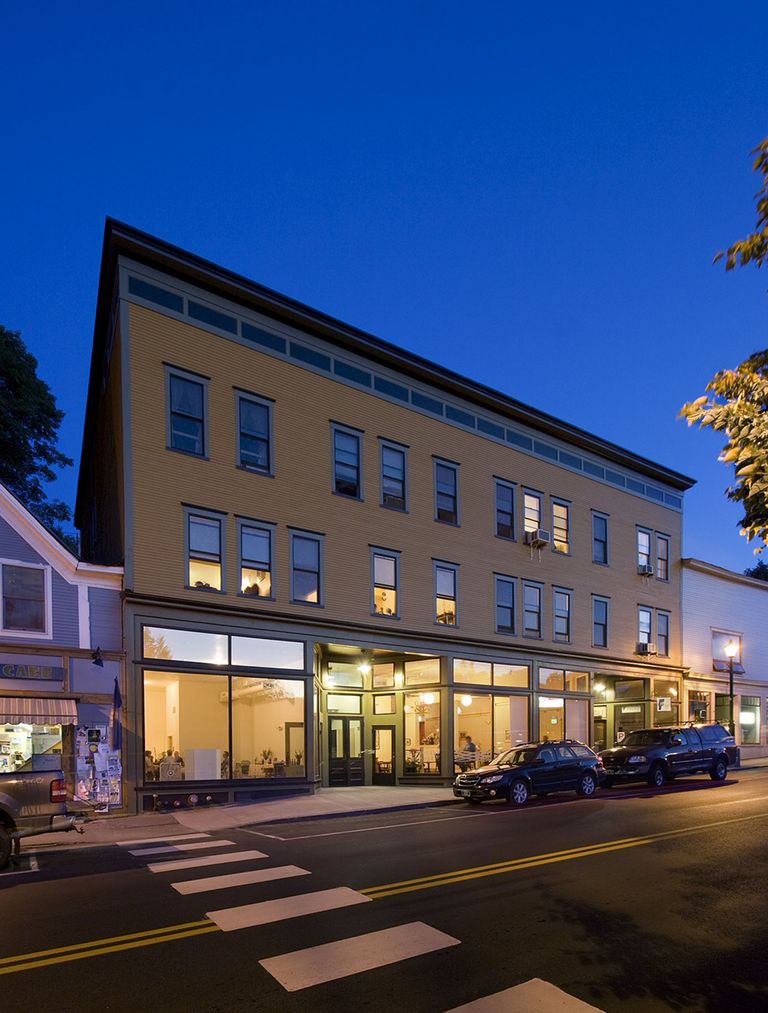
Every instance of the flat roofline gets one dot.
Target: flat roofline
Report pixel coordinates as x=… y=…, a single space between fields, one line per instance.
x=122 y=239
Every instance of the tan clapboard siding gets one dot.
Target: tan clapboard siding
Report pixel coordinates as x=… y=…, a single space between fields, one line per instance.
x=300 y=495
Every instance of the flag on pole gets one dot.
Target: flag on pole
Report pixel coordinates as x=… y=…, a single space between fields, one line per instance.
x=117 y=727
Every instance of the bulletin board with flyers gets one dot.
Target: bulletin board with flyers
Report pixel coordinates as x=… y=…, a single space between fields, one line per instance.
x=98 y=767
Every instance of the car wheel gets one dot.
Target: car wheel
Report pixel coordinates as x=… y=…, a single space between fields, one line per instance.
x=587 y=785
x=518 y=792
x=657 y=776
x=5 y=847
x=719 y=771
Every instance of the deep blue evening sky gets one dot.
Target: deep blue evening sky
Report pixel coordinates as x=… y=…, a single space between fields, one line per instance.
x=530 y=195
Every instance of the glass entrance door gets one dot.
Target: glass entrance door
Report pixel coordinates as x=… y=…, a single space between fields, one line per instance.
x=384 y=755
x=345 y=752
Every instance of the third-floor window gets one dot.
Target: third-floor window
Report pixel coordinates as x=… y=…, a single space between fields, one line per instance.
x=186 y=412
x=446 y=492
x=254 y=433
x=347 y=476
x=662 y=557
x=531 y=511
x=394 y=465
x=505 y=510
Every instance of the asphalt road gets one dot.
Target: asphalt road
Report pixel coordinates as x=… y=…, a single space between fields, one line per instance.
x=637 y=900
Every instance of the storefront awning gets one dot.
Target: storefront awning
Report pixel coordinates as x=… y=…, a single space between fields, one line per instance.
x=16 y=710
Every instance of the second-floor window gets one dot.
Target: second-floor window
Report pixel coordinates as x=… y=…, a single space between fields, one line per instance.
x=255 y=561
x=505 y=510
x=720 y=660
x=446 y=492
x=662 y=557
x=306 y=569
x=254 y=433
x=204 y=569
x=643 y=547
x=531 y=511
x=561 y=614
x=561 y=527
x=393 y=477
x=644 y=625
x=600 y=539
x=186 y=412
x=662 y=634
x=599 y=622
x=532 y=610
x=23 y=604
x=505 y=604
x=385 y=567
x=347 y=478
x=446 y=598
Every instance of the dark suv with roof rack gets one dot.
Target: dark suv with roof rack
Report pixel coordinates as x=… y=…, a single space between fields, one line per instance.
x=657 y=755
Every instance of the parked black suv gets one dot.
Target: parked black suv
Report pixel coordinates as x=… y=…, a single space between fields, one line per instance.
x=656 y=755
x=536 y=768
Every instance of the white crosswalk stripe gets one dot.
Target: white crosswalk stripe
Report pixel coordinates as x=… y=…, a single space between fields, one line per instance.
x=340 y=959
x=534 y=995
x=158 y=840
x=264 y=912
x=171 y=848
x=226 y=882
x=201 y=860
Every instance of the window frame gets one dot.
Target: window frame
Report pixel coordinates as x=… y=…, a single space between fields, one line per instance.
x=357 y=434
x=201 y=381
x=506 y=579
x=539 y=588
x=568 y=593
x=607 y=602
x=532 y=494
x=315 y=536
x=640 y=631
x=268 y=528
x=502 y=483
x=565 y=504
x=440 y=462
x=722 y=664
x=47 y=632
x=208 y=514
x=599 y=515
x=440 y=564
x=663 y=614
x=263 y=402
x=394 y=555
x=661 y=538
x=639 y=530
x=400 y=448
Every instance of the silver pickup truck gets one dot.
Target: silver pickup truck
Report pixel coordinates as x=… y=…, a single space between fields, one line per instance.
x=31 y=803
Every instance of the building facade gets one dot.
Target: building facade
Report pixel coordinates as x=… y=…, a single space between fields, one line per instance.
x=345 y=564
x=722 y=607
x=61 y=655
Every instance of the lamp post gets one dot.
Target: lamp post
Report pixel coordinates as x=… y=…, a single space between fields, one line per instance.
x=731 y=649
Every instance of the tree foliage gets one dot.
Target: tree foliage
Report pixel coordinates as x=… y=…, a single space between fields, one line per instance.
x=29 y=426
x=759 y=571
x=737 y=402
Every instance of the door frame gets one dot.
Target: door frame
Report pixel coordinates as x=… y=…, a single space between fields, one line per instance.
x=346 y=759
x=391 y=777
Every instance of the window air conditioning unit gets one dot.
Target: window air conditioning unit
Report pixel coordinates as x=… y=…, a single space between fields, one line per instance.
x=643 y=648
x=646 y=569
x=538 y=539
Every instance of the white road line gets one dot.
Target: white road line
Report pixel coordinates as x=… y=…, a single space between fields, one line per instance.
x=238 y=879
x=200 y=861
x=232 y=918
x=158 y=840
x=368 y=830
x=531 y=995
x=318 y=964
x=176 y=848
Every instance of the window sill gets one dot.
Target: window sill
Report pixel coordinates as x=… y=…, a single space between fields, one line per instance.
x=255 y=471
x=205 y=590
x=347 y=496
x=256 y=597
x=394 y=509
x=446 y=626
x=308 y=604
x=188 y=453
x=505 y=633
x=384 y=615
x=505 y=538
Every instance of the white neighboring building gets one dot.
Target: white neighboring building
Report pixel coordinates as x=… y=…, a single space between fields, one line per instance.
x=718 y=606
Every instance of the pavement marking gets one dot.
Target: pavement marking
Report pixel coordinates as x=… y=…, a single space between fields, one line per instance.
x=238 y=879
x=171 y=848
x=97 y=947
x=266 y=911
x=158 y=840
x=318 y=964
x=196 y=863
x=534 y=995
x=533 y=861
x=368 y=830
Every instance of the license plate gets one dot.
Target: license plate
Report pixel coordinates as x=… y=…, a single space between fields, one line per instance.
x=466 y=793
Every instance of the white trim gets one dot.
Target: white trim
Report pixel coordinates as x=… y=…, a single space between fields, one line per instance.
x=83 y=616
x=47 y=633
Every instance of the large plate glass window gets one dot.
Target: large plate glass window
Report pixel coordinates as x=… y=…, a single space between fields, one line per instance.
x=254 y=417
x=446 y=492
x=552 y=718
x=204 y=562
x=505 y=510
x=347 y=477
x=23 y=600
x=394 y=464
x=473 y=730
x=446 y=597
x=255 y=560
x=505 y=604
x=267 y=727
x=422 y=732
x=186 y=727
x=476 y=673
x=516 y=676
x=510 y=722
x=306 y=569
x=187 y=396
x=384 y=566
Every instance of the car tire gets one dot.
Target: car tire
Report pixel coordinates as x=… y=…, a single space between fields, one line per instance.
x=5 y=847
x=587 y=785
x=657 y=776
x=719 y=770
x=519 y=792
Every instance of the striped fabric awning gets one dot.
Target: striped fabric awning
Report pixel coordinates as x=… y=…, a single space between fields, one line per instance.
x=37 y=711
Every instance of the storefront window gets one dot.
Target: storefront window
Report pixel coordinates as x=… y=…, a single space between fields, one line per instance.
x=473 y=730
x=577 y=682
x=749 y=720
x=510 y=722
x=384 y=703
x=343 y=675
x=698 y=706
x=551 y=718
x=475 y=672
x=666 y=695
x=267 y=727
x=344 y=703
x=384 y=676
x=723 y=709
x=551 y=678
x=422 y=733
x=254 y=652
x=577 y=719
x=167 y=644
x=186 y=727
x=25 y=747
x=422 y=672
x=513 y=676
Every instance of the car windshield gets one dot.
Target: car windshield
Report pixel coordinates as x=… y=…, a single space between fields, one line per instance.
x=515 y=757
x=647 y=737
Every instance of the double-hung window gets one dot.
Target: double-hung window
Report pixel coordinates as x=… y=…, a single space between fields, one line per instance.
x=446 y=594
x=662 y=634
x=644 y=625
x=254 y=421
x=599 y=622
x=204 y=557
x=394 y=476
x=505 y=510
x=347 y=462
x=384 y=580
x=531 y=609
x=599 y=539
x=643 y=547
x=306 y=568
x=531 y=511
x=561 y=614
x=561 y=527
x=186 y=422
x=505 y=604
x=662 y=557
x=446 y=492
x=25 y=597
x=255 y=559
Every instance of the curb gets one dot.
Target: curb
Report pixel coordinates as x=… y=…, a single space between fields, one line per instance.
x=349 y=812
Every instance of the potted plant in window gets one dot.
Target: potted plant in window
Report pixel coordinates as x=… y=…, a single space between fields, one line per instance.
x=295 y=768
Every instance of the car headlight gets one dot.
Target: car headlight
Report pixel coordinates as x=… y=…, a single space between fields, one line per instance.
x=492 y=780
x=637 y=759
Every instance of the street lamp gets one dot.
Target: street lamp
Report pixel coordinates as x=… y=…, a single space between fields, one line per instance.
x=731 y=649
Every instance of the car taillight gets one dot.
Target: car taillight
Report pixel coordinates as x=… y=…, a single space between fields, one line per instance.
x=58 y=790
